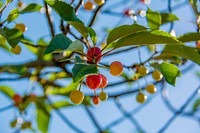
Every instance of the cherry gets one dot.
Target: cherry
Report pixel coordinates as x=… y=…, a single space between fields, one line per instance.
x=21 y=27
x=99 y=2
x=17 y=99
x=103 y=96
x=94 y=55
x=96 y=100
x=76 y=97
x=157 y=75
x=104 y=81
x=116 y=68
x=143 y=71
x=141 y=98
x=142 y=1
x=16 y=50
x=93 y=81
x=151 y=88
x=26 y=125
x=128 y=12
x=20 y=4
x=89 y=5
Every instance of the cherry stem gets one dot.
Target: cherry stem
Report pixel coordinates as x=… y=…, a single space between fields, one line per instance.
x=104 y=53
x=95 y=93
x=80 y=85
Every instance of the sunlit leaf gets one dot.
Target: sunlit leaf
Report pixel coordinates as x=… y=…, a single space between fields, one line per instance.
x=189 y=37
x=168 y=17
x=123 y=31
x=147 y=38
x=154 y=19
x=183 y=51
x=31 y=8
x=7 y=91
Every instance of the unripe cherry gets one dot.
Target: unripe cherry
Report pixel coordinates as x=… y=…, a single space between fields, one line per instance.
x=103 y=96
x=93 y=81
x=143 y=71
x=16 y=50
x=99 y=2
x=157 y=75
x=151 y=88
x=76 y=97
x=21 y=27
x=141 y=98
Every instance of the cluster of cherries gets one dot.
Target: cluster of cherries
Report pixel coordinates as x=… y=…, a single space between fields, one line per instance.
x=95 y=81
x=89 y=5
x=156 y=75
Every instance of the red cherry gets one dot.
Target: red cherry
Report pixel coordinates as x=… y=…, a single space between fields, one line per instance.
x=93 y=81
x=142 y=1
x=104 y=81
x=17 y=99
x=96 y=100
x=94 y=54
x=127 y=12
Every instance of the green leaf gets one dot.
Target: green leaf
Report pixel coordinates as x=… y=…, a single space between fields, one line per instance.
x=93 y=35
x=123 y=31
x=62 y=91
x=64 y=10
x=61 y=104
x=1 y=4
x=154 y=19
x=8 y=1
x=3 y=43
x=183 y=51
x=13 y=15
x=147 y=38
x=58 y=43
x=168 y=17
x=13 y=36
x=170 y=72
x=168 y=56
x=7 y=91
x=67 y=13
x=196 y=105
x=76 y=46
x=31 y=8
x=43 y=117
x=189 y=37
x=79 y=26
x=78 y=60
x=81 y=70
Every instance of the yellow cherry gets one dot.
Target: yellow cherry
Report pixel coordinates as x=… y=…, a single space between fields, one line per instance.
x=151 y=88
x=76 y=97
x=157 y=75
x=21 y=27
x=141 y=98
x=99 y=2
x=143 y=71
x=103 y=96
x=16 y=50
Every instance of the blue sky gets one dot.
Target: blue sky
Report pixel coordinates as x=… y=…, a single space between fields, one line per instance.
x=152 y=117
